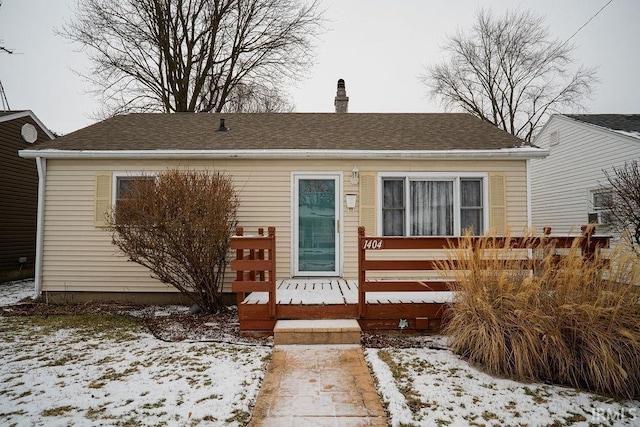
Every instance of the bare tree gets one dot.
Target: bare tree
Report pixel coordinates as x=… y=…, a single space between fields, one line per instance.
x=179 y=225
x=624 y=204
x=509 y=71
x=254 y=98
x=192 y=55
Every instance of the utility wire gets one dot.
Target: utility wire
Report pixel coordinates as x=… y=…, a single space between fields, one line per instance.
x=585 y=24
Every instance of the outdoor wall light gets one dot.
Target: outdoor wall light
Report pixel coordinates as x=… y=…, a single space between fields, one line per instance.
x=355 y=175
x=351 y=200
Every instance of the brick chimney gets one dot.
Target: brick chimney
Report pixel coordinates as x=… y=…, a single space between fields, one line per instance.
x=342 y=100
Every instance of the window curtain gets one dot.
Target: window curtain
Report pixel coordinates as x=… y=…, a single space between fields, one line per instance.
x=431 y=208
x=471 y=209
x=393 y=207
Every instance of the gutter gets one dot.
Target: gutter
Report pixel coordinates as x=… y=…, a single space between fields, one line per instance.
x=41 y=164
x=500 y=154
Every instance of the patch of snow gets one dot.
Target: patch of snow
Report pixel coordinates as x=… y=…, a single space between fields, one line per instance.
x=409 y=297
x=58 y=376
x=451 y=392
x=67 y=377
x=12 y=292
x=396 y=403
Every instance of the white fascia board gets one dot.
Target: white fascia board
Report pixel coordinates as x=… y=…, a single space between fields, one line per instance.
x=501 y=154
x=29 y=113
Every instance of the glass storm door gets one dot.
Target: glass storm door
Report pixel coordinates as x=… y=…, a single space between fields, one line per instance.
x=315 y=225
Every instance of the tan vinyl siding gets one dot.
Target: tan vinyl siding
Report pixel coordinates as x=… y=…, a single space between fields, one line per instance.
x=79 y=256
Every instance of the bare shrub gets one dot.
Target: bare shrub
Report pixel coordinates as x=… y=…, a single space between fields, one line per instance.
x=180 y=226
x=573 y=322
x=623 y=206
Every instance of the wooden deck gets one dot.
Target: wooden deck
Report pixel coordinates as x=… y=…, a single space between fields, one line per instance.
x=400 y=304
x=337 y=298
x=336 y=291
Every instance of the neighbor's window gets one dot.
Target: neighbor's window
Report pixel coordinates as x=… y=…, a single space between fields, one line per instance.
x=600 y=199
x=416 y=206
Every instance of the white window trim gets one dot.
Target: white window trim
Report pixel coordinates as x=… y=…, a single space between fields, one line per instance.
x=116 y=175
x=436 y=176
x=591 y=192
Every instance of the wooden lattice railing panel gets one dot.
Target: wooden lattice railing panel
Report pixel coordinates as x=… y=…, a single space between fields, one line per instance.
x=590 y=244
x=255 y=265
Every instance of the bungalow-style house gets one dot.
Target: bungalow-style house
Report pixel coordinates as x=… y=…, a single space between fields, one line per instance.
x=568 y=188
x=19 y=130
x=315 y=177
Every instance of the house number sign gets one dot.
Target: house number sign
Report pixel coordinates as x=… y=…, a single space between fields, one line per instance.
x=372 y=244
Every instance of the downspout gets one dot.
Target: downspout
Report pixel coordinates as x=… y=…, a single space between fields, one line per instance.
x=528 y=179
x=41 y=164
x=529 y=201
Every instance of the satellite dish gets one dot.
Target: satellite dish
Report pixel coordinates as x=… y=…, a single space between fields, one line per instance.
x=29 y=133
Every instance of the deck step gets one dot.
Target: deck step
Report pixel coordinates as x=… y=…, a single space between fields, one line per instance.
x=321 y=331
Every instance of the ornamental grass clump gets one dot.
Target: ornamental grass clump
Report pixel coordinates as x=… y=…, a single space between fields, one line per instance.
x=547 y=314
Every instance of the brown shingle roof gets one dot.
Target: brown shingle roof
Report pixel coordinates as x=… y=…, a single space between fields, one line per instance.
x=304 y=131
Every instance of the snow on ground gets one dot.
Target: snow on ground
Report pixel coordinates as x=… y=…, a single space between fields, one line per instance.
x=61 y=374
x=114 y=374
x=11 y=293
x=427 y=387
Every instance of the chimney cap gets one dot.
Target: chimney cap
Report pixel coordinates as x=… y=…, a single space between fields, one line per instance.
x=341 y=84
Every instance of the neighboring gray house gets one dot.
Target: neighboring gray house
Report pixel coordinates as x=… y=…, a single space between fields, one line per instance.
x=569 y=186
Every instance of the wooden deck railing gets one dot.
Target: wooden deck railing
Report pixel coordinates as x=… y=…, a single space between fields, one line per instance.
x=590 y=244
x=255 y=265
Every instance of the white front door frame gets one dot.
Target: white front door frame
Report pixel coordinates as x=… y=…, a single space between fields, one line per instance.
x=338 y=226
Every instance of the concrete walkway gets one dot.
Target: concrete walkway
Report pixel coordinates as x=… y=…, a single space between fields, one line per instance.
x=318 y=385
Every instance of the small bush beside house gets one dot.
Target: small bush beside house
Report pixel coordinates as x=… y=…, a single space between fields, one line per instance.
x=179 y=225
x=574 y=322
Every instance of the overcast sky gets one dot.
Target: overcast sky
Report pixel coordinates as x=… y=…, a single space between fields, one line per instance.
x=378 y=46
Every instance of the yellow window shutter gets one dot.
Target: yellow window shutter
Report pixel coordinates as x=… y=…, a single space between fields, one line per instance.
x=497 y=203
x=102 y=199
x=368 y=203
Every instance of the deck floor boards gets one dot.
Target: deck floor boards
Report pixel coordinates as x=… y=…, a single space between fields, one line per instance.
x=338 y=291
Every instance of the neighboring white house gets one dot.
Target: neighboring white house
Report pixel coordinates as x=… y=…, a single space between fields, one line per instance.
x=569 y=186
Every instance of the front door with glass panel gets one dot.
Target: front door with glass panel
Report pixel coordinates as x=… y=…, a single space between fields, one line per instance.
x=316 y=226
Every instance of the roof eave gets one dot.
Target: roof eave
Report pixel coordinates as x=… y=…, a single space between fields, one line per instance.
x=28 y=113
x=499 y=154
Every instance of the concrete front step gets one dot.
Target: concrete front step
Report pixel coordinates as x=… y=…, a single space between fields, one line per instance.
x=321 y=331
